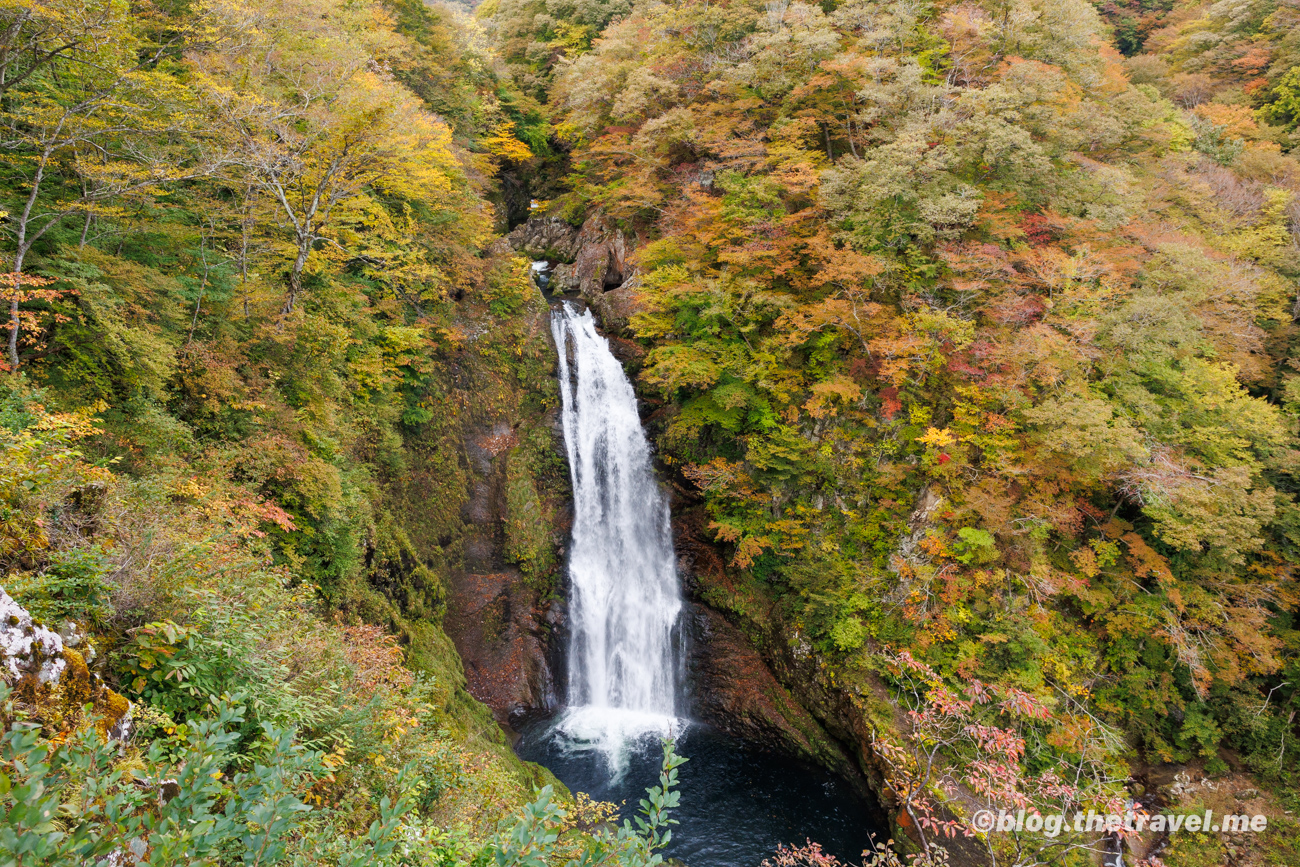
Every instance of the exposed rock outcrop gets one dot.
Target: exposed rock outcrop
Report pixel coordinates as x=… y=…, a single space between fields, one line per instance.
x=50 y=677
x=737 y=692
x=600 y=262
x=595 y=262
x=615 y=310
x=549 y=238
x=495 y=616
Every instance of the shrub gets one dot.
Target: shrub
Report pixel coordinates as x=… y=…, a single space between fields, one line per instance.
x=71 y=587
x=975 y=546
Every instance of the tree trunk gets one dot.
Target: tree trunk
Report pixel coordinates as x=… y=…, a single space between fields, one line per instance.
x=13 y=303
x=24 y=244
x=198 y=304
x=13 y=329
x=295 y=276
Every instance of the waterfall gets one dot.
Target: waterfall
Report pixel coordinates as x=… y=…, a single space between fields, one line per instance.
x=625 y=659
x=625 y=600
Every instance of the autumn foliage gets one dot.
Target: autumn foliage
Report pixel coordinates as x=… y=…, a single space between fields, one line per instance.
x=974 y=337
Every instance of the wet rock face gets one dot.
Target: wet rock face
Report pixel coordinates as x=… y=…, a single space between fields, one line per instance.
x=494 y=616
x=737 y=692
x=501 y=636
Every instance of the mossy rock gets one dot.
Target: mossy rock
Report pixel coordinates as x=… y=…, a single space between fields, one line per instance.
x=76 y=697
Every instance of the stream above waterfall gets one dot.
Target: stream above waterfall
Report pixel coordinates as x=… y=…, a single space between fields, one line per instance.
x=626 y=651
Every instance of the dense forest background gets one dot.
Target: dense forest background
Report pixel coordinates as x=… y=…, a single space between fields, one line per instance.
x=968 y=331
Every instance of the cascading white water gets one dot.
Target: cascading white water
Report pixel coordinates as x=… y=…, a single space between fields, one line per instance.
x=625 y=599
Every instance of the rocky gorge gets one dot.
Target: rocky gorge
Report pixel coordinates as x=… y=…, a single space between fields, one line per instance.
x=748 y=678
x=753 y=674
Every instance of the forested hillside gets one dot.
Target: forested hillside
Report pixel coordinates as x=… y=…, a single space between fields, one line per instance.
x=967 y=332
x=976 y=340
x=249 y=321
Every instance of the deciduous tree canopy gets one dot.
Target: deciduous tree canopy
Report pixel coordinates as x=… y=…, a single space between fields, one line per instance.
x=974 y=335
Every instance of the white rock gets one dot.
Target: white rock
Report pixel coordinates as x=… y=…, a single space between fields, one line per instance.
x=26 y=647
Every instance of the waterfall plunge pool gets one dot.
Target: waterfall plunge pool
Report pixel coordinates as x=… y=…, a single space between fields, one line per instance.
x=738 y=802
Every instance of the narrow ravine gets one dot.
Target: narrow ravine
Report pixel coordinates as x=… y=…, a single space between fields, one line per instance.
x=626 y=689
